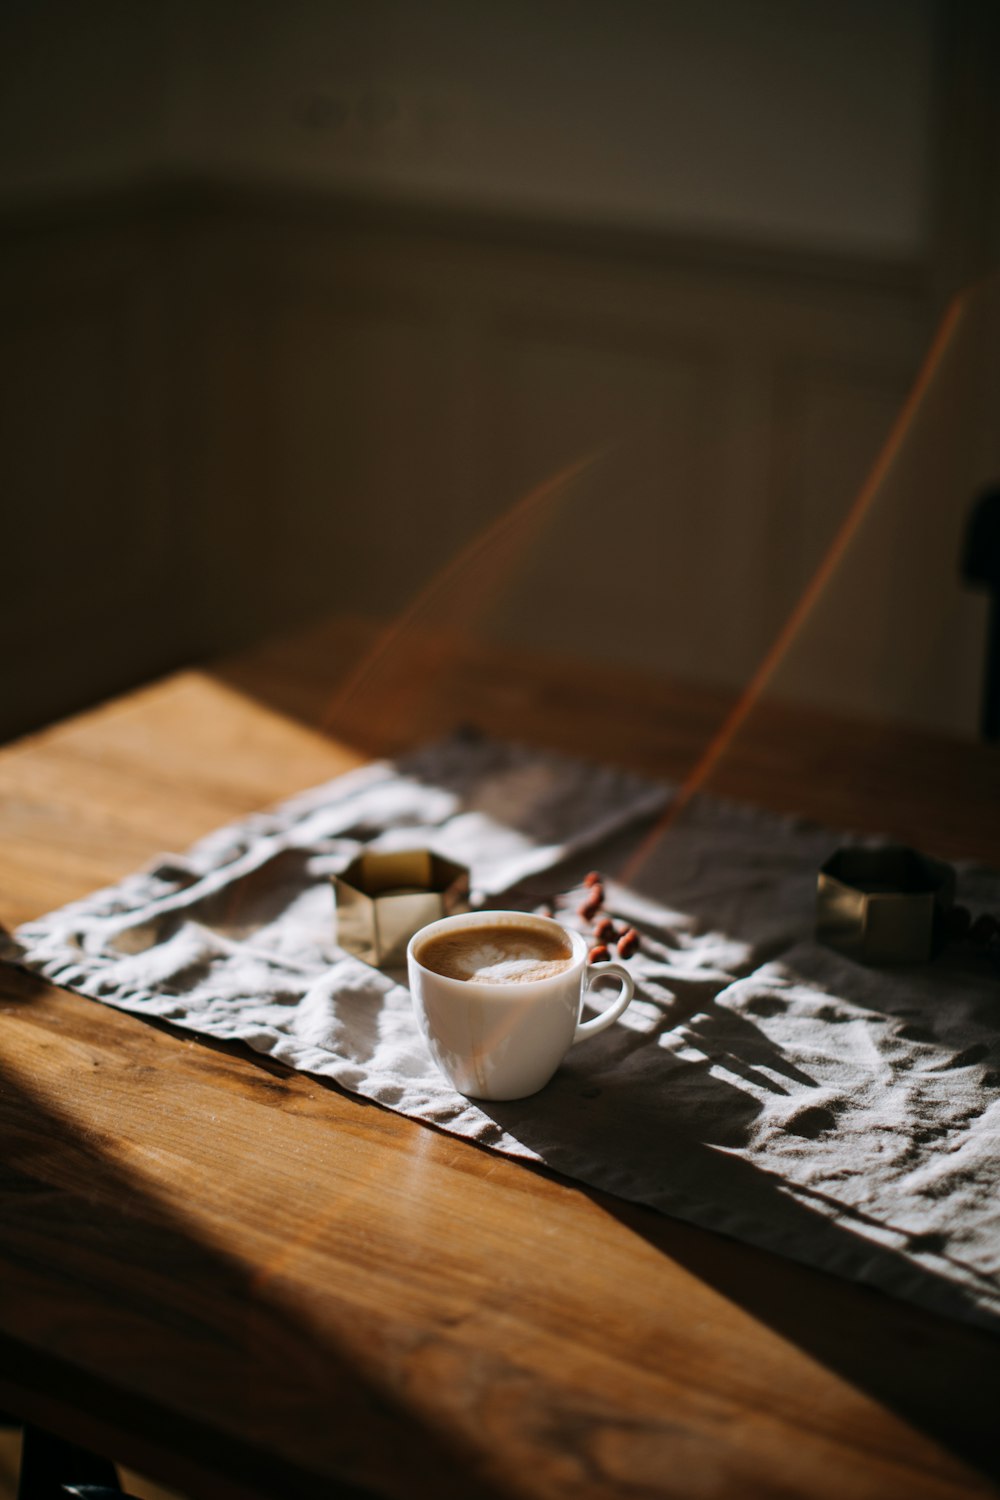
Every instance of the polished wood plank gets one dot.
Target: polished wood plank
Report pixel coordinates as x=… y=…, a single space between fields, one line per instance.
x=359 y=1296
x=245 y=1282
x=84 y=803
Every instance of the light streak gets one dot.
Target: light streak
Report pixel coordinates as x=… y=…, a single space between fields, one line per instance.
x=502 y=531
x=811 y=594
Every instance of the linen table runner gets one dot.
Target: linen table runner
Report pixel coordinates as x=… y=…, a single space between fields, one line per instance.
x=761 y=1085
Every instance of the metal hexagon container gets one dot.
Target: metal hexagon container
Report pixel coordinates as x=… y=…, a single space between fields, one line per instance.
x=385 y=896
x=885 y=905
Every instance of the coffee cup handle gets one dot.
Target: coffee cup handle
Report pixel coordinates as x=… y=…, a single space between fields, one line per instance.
x=621 y=1003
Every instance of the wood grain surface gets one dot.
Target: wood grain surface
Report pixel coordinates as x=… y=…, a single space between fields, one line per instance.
x=244 y=1282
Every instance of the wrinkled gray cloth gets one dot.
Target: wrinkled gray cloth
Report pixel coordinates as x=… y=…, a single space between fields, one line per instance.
x=761 y=1085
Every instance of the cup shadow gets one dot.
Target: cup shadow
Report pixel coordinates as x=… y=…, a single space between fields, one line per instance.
x=933 y=1368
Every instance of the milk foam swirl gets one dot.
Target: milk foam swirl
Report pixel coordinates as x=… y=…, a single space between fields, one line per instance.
x=497 y=955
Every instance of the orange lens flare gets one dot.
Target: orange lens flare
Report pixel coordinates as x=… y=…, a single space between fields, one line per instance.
x=469 y=581
x=810 y=596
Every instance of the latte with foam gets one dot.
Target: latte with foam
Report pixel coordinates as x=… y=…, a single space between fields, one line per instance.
x=507 y=953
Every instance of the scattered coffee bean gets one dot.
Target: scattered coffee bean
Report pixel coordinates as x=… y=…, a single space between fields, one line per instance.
x=628 y=943
x=598 y=954
x=605 y=931
x=592 y=879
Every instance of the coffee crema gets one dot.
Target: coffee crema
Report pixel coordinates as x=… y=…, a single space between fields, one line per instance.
x=504 y=953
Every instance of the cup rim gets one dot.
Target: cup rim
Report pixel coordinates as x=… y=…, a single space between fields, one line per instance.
x=472 y=918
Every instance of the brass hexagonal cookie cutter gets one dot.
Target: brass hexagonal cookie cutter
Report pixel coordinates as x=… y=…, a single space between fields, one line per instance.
x=384 y=896
x=883 y=905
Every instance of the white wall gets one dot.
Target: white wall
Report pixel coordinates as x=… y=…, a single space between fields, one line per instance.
x=255 y=390
x=799 y=122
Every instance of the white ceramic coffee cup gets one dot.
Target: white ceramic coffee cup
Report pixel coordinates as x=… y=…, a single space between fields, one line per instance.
x=505 y=1041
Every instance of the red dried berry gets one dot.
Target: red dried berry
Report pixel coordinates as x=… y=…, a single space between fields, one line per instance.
x=628 y=943
x=598 y=954
x=592 y=879
x=605 y=931
x=589 y=907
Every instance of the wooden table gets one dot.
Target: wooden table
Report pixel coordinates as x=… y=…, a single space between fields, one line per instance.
x=244 y=1282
